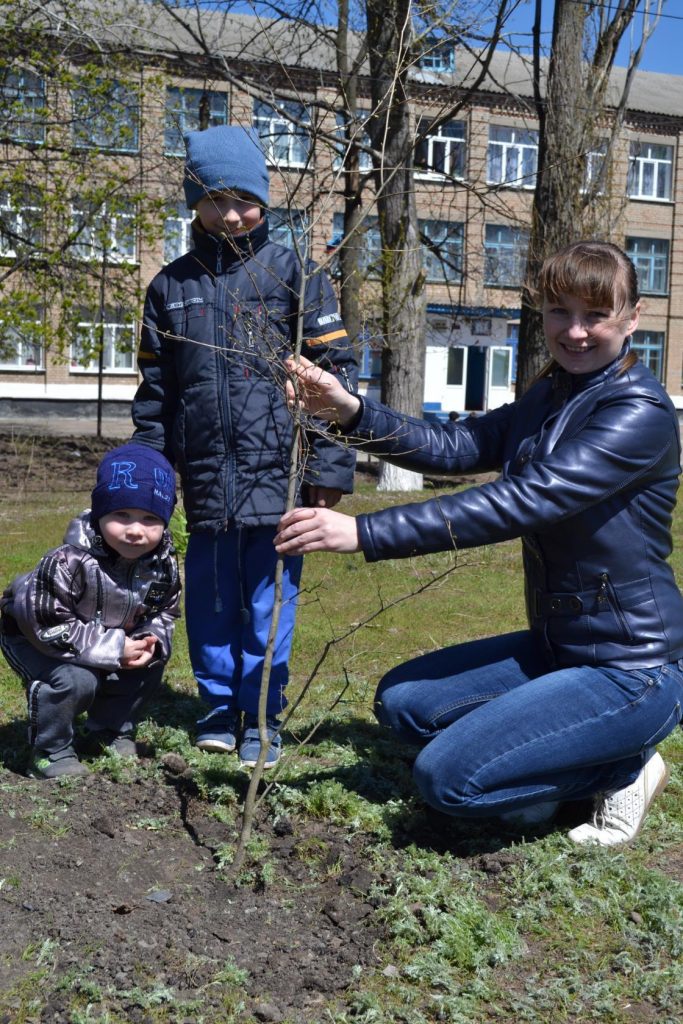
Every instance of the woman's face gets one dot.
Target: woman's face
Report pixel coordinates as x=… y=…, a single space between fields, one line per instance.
x=583 y=337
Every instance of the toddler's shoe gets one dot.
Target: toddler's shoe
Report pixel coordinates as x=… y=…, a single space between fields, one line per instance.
x=218 y=733
x=250 y=746
x=94 y=741
x=44 y=765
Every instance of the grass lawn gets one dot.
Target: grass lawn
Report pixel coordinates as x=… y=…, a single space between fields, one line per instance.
x=564 y=934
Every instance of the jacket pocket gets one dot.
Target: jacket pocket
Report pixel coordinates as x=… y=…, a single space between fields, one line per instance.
x=608 y=601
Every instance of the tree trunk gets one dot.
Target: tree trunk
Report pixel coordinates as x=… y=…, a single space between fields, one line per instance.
x=565 y=128
x=403 y=291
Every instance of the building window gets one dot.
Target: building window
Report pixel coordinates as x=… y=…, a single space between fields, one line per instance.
x=370 y=356
x=106 y=116
x=455 y=371
x=505 y=255
x=289 y=228
x=650 y=257
x=184 y=109
x=649 y=171
x=441 y=153
x=501 y=359
x=442 y=243
x=177 y=231
x=21 y=225
x=594 y=172
x=108 y=234
x=366 y=242
x=353 y=131
x=283 y=132
x=117 y=342
x=439 y=55
x=21 y=347
x=649 y=346
x=22 y=95
x=512 y=157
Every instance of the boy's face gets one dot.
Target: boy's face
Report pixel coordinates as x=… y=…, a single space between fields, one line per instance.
x=131 y=532
x=228 y=213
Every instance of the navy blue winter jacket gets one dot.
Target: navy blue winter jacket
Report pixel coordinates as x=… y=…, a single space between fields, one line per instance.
x=590 y=468
x=217 y=323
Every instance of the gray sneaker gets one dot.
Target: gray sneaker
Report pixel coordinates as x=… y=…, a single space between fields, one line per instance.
x=619 y=815
x=44 y=765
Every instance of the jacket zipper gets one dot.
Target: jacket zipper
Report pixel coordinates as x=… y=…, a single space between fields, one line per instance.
x=607 y=597
x=221 y=323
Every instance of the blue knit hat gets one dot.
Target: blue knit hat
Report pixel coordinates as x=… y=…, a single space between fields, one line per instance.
x=134 y=476
x=224 y=157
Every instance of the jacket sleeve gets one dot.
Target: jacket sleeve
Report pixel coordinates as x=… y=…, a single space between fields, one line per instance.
x=43 y=608
x=628 y=441
x=155 y=402
x=330 y=462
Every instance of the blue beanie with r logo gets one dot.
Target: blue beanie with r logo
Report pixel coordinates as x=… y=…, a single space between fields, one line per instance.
x=134 y=476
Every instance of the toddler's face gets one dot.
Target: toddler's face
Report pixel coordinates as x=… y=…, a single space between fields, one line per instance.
x=131 y=532
x=228 y=213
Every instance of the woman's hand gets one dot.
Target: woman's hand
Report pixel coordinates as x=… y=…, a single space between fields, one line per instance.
x=316 y=529
x=319 y=392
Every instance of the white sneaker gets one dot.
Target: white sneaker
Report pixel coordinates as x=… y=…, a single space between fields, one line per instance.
x=619 y=815
x=535 y=814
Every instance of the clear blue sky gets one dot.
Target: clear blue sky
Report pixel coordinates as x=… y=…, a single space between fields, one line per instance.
x=664 y=51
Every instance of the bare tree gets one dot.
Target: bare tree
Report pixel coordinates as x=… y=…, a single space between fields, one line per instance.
x=579 y=123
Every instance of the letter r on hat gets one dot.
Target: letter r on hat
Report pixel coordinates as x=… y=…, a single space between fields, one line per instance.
x=122 y=476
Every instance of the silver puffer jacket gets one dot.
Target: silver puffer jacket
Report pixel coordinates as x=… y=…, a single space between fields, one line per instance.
x=82 y=600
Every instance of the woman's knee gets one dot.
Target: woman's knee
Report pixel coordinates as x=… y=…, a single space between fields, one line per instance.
x=443 y=786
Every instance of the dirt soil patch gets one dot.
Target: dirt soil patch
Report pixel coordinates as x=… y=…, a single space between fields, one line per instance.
x=118 y=886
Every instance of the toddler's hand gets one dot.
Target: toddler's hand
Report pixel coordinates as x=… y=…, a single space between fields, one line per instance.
x=138 y=652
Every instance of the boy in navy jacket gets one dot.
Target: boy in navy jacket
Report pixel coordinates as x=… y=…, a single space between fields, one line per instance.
x=218 y=324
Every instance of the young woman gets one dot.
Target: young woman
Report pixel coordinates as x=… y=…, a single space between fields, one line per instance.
x=574 y=706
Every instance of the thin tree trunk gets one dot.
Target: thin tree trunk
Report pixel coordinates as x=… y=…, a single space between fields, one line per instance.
x=403 y=281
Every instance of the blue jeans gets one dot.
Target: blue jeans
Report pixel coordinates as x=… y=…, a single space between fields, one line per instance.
x=500 y=731
x=229 y=594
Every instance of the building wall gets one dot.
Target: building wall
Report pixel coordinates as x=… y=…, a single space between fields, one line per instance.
x=459 y=310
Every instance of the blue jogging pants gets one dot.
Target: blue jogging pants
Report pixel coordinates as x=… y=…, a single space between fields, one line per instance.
x=229 y=593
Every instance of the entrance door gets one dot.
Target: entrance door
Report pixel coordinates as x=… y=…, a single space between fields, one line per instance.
x=475 y=386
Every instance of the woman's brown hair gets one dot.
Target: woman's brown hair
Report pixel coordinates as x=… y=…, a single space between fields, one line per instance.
x=598 y=272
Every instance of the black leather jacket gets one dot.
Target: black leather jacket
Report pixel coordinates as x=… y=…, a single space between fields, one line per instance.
x=590 y=467
x=217 y=324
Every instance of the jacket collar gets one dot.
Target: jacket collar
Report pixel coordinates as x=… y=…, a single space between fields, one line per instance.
x=566 y=384
x=217 y=252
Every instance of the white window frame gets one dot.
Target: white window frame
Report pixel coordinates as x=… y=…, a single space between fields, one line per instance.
x=96 y=127
x=182 y=114
x=509 y=249
x=439 y=56
x=648 y=344
x=650 y=171
x=30 y=353
x=357 y=132
x=289 y=227
x=650 y=257
x=594 y=169
x=285 y=142
x=449 y=237
x=177 y=231
x=120 y=223
x=19 y=220
x=114 y=332
x=23 y=93
x=512 y=161
x=445 y=149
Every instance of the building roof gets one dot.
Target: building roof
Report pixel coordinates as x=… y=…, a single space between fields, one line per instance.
x=227 y=36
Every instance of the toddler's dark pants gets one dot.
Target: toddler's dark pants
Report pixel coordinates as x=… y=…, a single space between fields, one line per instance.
x=59 y=691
